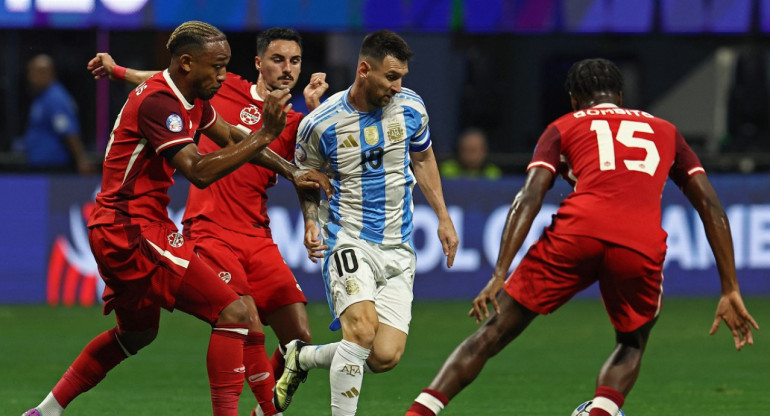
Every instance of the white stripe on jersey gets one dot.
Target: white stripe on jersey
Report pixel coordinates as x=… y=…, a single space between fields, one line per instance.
x=368 y=157
x=134 y=155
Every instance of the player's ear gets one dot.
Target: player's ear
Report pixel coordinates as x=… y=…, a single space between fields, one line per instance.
x=258 y=63
x=185 y=62
x=363 y=69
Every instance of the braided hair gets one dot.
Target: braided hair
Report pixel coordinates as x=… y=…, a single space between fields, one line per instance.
x=191 y=36
x=590 y=76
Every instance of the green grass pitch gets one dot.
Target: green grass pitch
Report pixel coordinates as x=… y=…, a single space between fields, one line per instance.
x=549 y=370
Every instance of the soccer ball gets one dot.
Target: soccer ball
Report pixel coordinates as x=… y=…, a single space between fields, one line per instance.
x=585 y=408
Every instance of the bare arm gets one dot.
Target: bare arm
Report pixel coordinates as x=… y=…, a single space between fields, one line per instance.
x=730 y=309
x=525 y=207
x=426 y=172
x=202 y=170
x=102 y=65
x=75 y=146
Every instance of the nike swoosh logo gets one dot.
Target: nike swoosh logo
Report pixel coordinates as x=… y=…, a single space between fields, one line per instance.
x=258 y=377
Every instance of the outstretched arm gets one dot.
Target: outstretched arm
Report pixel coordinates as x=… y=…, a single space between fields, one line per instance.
x=203 y=169
x=730 y=309
x=102 y=65
x=525 y=207
x=426 y=172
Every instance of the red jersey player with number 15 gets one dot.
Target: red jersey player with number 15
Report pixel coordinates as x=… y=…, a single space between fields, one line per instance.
x=607 y=230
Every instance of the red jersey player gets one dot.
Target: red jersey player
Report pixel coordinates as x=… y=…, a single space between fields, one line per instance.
x=229 y=218
x=145 y=262
x=607 y=230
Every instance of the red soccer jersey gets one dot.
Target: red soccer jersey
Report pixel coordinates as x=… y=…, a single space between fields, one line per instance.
x=619 y=159
x=238 y=201
x=136 y=177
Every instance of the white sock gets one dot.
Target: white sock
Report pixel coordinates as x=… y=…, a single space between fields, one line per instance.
x=317 y=356
x=346 y=375
x=50 y=407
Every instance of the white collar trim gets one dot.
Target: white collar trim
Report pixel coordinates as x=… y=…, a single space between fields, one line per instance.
x=254 y=93
x=605 y=105
x=185 y=103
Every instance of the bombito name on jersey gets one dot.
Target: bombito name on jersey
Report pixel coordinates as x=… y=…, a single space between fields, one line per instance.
x=614 y=110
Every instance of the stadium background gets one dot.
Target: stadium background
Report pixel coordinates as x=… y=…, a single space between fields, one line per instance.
x=496 y=64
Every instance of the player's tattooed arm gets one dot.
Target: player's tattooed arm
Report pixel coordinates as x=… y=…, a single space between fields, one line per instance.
x=103 y=66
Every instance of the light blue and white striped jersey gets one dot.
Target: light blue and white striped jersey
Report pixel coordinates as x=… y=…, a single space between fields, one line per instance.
x=367 y=156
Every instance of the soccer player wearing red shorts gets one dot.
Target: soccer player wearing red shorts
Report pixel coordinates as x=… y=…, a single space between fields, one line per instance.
x=145 y=263
x=607 y=230
x=229 y=218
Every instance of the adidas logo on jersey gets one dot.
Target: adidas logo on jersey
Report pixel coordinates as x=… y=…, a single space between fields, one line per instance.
x=349 y=142
x=353 y=392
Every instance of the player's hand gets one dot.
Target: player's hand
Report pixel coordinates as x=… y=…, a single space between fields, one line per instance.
x=479 y=311
x=274 y=112
x=449 y=241
x=312 y=179
x=315 y=89
x=101 y=65
x=313 y=243
x=731 y=310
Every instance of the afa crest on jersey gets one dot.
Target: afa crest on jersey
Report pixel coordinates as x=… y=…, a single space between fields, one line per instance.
x=174 y=123
x=250 y=115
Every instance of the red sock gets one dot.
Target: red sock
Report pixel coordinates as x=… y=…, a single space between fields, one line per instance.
x=224 y=362
x=605 y=400
x=428 y=403
x=101 y=355
x=278 y=363
x=259 y=373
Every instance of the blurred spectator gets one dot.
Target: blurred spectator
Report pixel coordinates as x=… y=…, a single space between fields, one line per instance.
x=52 y=139
x=471 y=158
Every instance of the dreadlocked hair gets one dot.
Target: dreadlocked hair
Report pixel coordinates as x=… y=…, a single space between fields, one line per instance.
x=277 y=33
x=191 y=36
x=590 y=76
x=382 y=43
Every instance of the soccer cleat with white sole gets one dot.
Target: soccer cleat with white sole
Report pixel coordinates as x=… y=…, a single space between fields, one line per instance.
x=293 y=374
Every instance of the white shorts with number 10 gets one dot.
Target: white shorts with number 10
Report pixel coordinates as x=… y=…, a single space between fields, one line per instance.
x=357 y=270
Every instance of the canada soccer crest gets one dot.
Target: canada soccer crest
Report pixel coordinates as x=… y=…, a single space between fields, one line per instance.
x=175 y=240
x=250 y=115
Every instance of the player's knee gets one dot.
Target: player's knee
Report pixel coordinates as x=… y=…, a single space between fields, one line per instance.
x=380 y=362
x=234 y=313
x=133 y=341
x=361 y=332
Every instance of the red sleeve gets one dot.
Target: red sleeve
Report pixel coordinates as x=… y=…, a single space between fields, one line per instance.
x=161 y=123
x=686 y=162
x=209 y=115
x=548 y=150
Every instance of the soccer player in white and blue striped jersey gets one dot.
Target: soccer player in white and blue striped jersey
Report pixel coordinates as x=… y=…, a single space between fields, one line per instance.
x=374 y=142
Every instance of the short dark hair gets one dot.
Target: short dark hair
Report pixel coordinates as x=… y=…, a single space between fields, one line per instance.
x=192 y=35
x=277 y=33
x=589 y=76
x=384 y=43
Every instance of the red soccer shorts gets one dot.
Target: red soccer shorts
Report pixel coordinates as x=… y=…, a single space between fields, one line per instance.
x=146 y=267
x=558 y=266
x=252 y=264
